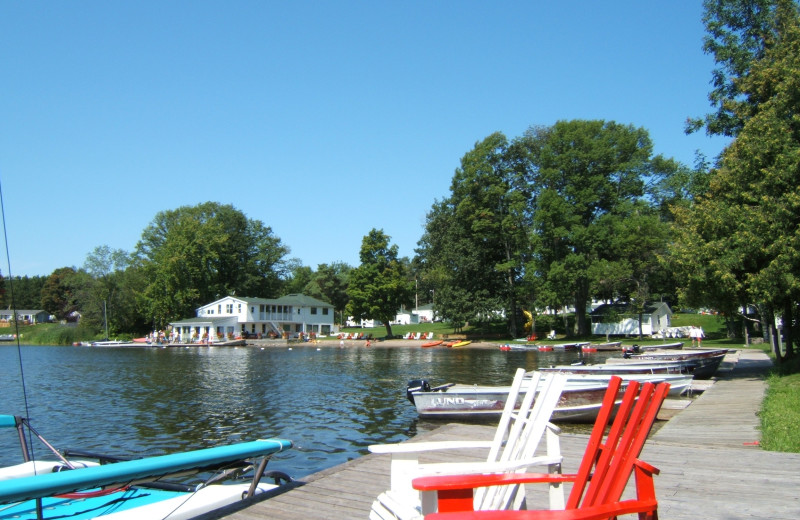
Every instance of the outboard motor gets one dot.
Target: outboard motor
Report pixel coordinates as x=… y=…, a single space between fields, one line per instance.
x=633 y=350
x=416 y=385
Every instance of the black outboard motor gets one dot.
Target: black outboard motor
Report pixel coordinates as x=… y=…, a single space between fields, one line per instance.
x=633 y=350
x=416 y=385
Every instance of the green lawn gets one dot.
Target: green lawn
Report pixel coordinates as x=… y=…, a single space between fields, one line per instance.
x=713 y=327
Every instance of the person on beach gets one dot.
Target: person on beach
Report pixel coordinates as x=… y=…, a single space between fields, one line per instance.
x=696 y=334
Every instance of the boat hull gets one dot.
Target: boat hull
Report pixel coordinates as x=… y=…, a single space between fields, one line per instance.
x=465 y=402
x=137 y=503
x=620 y=369
x=603 y=347
x=577 y=404
x=701 y=364
x=580 y=401
x=432 y=344
x=676 y=345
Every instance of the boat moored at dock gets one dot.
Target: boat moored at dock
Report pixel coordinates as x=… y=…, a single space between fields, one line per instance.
x=580 y=401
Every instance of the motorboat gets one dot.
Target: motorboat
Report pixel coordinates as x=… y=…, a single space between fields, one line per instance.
x=701 y=363
x=580 y=401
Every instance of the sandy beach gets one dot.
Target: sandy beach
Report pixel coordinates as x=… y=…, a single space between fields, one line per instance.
x=359 y=343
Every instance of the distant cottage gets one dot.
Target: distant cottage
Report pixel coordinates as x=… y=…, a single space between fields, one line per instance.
x=619 y=319
x=28 y=317
x=229 y=317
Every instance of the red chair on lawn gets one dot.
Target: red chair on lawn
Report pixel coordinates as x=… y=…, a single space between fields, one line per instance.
x=600 y=481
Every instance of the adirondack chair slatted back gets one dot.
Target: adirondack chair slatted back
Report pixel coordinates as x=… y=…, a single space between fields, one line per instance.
x=608 y=463
x=527 y=426
x=522 y=425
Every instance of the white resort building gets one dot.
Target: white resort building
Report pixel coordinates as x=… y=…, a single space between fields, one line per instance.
x=233 y=317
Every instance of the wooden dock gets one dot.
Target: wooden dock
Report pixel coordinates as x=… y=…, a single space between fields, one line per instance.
x=711 y=466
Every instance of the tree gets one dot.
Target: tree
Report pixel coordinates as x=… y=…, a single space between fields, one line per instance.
x=329 y=283
x=746 y=231
x=300 y=276
x=739 y=33
x=59 y=294
x=379 y=286
x=107 y=289
x=590 y=217
x=196 y=254
x=475 y=240
x=23 y=292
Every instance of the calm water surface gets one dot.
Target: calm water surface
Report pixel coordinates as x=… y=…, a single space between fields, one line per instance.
x=332 y=403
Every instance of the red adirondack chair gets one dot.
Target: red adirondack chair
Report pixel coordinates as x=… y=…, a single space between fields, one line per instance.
x=598 y=485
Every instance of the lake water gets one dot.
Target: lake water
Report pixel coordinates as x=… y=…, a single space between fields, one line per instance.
x=331 y=402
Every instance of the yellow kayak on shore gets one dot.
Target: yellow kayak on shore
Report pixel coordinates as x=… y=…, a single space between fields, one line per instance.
x=461 y=344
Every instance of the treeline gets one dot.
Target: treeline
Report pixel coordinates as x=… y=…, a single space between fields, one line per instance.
x=548 y=220
x=185 y=258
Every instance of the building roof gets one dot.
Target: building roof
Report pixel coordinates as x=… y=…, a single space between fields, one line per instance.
x=5 y=312
x=625 y=308
x=297 y=300
x=204 y=320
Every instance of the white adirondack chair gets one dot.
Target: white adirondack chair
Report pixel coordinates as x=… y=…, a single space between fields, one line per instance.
x=518 y=435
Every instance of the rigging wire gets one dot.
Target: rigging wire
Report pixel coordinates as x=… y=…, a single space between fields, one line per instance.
x=16 y=320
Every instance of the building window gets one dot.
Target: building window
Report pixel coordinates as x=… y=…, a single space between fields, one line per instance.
x=324 y=311
x=313 y=310
x=239 y=309
x=229 y=308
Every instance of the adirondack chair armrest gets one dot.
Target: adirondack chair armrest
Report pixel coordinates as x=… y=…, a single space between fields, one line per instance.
x=643 y=466
x=417 y=447
x=449 y=493
x=462 y=482
x=405 y=459
x=458 y=469
x=646 y=508
x=554 y=428
x=454 y=494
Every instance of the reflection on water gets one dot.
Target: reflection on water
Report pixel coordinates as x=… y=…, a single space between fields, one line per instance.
x=331 y=402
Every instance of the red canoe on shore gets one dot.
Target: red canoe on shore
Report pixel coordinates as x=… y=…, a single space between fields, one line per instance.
x=432 y=344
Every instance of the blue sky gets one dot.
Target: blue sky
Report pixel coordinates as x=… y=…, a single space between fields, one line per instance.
x=321 y=119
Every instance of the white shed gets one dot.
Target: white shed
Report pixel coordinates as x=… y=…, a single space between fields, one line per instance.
x=618 y=319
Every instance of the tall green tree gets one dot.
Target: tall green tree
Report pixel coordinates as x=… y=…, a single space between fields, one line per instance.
x=59 y=295
x=475 y=240
x=107 y=293
x=299 y=277
x=448 y=265
x=746 y=232
x=738 y=34
x=329 y=284
x=25 y=292
x=589 y=212
x=196 y=254
x=379 y=286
